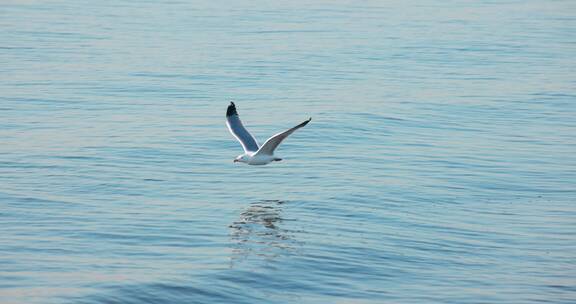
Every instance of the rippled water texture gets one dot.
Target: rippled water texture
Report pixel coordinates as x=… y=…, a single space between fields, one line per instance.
x=439 y=167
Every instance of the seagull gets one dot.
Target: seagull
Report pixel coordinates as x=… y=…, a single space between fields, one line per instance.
x=254 y=154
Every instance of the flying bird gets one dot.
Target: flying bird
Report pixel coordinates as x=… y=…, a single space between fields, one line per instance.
x=254 y=154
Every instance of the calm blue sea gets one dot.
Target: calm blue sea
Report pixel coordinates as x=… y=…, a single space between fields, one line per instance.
x=439 y=167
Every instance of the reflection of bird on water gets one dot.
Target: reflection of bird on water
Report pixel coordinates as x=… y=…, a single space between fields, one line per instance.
x=258 y=233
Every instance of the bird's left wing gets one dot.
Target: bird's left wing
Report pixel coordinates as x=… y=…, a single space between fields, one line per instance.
x=237 y=129
x=272 y=143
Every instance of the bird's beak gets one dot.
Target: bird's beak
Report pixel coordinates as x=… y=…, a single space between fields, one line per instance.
x=235 y=160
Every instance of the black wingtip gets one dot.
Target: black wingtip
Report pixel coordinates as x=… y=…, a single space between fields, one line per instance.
x=231 y=110
x=305 y=122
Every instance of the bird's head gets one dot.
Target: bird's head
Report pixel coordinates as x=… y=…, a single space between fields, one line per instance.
x=242 y=158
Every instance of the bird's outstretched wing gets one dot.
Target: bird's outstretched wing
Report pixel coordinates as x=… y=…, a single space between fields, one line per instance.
x=272 y=143
x=237 y=129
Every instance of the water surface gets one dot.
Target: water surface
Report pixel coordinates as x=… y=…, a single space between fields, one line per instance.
x=439 y=166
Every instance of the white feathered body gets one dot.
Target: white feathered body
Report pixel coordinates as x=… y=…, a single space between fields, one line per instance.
x=256 y=159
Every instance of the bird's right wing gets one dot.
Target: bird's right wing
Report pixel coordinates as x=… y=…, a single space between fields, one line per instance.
x=237 y=129
x=272 y=143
